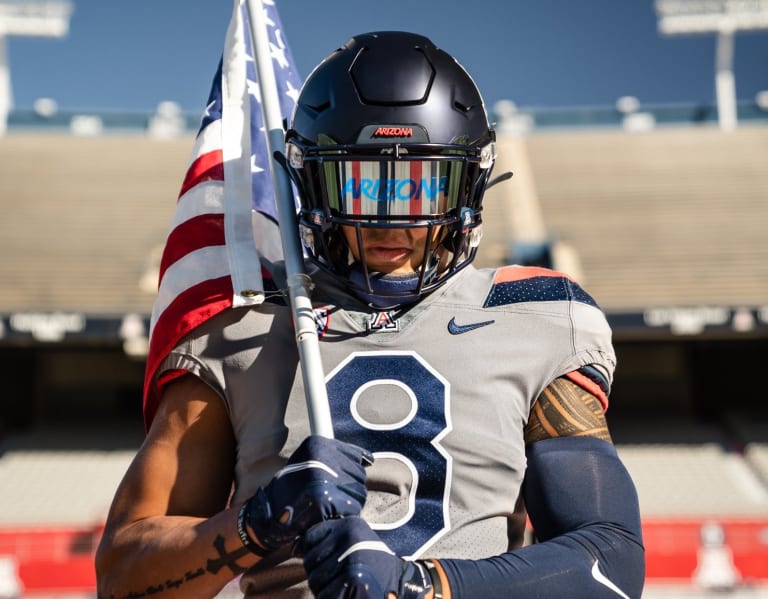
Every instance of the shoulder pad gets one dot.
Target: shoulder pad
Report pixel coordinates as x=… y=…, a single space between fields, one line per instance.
x=521 y=284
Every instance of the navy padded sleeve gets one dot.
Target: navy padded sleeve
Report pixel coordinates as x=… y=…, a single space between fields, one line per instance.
x=585 y=513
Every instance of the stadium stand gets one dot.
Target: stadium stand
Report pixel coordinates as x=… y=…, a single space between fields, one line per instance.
x=675 y=216
x=625 y=201
x=752 y=434
x=57 y=484
x=61 y=477
x=757 y=455
x=694 y=480
x=86 y=219
x=661 y=225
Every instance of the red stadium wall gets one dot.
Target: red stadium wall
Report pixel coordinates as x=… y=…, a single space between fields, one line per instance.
x=673 y=547
x=60 y=560
x=53 y=560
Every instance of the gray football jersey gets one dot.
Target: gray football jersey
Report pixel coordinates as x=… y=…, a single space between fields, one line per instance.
x=439 y=392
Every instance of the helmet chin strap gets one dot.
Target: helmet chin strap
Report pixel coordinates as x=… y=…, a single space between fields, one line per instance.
x=389 y=291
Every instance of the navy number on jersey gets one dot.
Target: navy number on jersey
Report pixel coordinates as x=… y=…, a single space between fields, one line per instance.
x=396 y=405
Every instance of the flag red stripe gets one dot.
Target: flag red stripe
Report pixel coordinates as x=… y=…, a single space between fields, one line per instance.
x=188 y=310
x=357 y=207
x=415 y=174
x=196 y=248
x=200 y=231
x=207 y=167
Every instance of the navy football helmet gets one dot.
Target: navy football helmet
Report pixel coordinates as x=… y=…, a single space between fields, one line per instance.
x=390 y=131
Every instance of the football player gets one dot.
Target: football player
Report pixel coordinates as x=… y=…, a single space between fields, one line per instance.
x=455 y=393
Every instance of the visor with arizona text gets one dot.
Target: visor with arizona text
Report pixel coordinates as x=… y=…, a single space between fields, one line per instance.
x=392 y=189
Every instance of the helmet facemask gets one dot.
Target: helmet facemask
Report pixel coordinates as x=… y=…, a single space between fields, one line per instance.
x=384 y=186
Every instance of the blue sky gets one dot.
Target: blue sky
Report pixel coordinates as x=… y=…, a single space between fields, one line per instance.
x=131 y=55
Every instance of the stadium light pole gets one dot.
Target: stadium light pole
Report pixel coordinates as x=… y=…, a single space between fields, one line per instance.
x=36 y=18
x=723 y=18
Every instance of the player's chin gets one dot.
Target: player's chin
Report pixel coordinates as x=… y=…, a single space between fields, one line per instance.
x=390 y=262
x=390 y=269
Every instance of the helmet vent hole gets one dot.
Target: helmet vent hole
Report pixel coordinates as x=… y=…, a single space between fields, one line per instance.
x=462 y=107
x=319 y=107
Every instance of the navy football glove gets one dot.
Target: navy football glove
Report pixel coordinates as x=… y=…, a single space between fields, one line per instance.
x=346 y=559
x=324 y=478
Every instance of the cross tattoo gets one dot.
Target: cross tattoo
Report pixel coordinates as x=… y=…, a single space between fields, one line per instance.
x=226 y=559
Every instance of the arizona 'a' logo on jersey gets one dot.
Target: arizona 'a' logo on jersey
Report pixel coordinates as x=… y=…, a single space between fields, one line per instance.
x=383 y=321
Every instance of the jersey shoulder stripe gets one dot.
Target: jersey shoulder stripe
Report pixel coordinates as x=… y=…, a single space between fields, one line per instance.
x=591 y=379
x=521 y=284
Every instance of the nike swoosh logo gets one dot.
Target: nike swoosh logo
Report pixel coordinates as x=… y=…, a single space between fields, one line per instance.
x=299 y=466
x=458 y=329
x=365 y=546
x=603 y=580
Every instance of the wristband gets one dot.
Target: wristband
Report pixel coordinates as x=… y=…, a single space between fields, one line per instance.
x=245 y=538
x=437 y=583
x=415 y=583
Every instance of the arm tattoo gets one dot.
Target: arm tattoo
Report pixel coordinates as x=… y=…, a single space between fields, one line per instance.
x=566 y=410
x=224 y=560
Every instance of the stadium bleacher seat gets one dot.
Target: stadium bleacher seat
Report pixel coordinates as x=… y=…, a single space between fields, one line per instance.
x=56 y=479
x=694 y=480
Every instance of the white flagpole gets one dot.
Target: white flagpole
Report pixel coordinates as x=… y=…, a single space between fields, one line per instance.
x=299 y=282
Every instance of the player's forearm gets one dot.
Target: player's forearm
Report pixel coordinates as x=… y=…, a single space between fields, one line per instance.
x=171 y=556
x=584 y=509
x=568 y=566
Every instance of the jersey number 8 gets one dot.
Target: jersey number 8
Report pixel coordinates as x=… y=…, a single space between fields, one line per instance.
x=408 y=432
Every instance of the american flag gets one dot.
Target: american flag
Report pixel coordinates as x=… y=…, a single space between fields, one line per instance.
x=223 y=248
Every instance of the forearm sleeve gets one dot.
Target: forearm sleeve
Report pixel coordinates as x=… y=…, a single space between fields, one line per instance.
x=584 y=510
